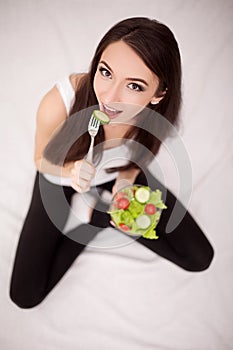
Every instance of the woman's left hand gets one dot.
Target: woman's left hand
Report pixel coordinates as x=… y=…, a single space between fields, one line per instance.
x=125 y=178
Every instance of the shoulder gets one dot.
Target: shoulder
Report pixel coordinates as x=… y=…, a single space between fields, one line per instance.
x=52 y=109
x=53 y=100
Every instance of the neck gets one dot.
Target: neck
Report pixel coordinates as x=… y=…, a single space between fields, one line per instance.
x=119 y=129
x=115 y=133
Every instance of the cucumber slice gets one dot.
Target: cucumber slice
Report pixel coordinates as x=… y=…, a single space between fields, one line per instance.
x=143 y=221
x=101 y=116
x=142 y=195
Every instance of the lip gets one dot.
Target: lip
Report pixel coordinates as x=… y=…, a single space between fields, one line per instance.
x=110 y=111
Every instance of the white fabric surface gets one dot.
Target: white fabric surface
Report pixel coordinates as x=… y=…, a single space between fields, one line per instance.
x=125 y=297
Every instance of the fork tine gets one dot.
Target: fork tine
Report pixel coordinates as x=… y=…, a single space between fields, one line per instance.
x=96 y=122
x=90 y=121
x=93 y=123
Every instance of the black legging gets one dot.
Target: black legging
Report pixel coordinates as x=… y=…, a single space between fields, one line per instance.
x=44 y=253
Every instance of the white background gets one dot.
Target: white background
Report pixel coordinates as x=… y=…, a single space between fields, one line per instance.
x=124 y=298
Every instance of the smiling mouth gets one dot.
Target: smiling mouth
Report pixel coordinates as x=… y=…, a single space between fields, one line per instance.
x=111 y=112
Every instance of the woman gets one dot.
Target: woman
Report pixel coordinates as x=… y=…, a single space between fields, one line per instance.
x=135 y=73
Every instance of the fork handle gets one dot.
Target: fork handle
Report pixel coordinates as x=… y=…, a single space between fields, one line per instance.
x=89 y=156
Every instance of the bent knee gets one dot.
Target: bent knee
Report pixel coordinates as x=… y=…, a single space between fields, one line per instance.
x=24 y=299
x=201 y=261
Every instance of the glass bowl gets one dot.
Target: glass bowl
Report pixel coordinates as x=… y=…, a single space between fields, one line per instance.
x=136 y=210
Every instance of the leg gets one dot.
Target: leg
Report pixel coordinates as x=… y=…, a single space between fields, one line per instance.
x=44 y=253
x=186 y=245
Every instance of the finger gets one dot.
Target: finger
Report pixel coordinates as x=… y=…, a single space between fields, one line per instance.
x=88 y=167
x=85 y=176
x=112 y=223
x=84 y=183
x=122 y=184
x=79 y=175
x=84 y=167
x=81 y=182
x=81 y=178
x=78 y=188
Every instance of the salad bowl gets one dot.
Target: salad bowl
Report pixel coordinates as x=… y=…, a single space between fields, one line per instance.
x=136 y=210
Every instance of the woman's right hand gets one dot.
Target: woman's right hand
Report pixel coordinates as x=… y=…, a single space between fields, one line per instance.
x=81 y=175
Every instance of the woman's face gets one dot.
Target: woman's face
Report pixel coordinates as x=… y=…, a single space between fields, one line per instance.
x=123 y=84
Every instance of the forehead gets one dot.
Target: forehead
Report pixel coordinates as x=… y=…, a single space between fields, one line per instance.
x=124 y=61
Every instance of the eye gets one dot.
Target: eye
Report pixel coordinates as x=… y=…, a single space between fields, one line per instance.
x=135 y=87
x=104 y=72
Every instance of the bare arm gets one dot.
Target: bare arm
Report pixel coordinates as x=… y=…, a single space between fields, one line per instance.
x=50 y=115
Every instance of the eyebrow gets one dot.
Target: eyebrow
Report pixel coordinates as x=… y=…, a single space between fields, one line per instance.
x=131 y=79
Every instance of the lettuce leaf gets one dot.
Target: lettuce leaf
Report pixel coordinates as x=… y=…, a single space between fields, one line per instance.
x=127 y=218
x=116 y=216
x=150 y=233
x=135 y=209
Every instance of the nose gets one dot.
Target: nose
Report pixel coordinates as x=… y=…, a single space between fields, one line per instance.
x=112 y=94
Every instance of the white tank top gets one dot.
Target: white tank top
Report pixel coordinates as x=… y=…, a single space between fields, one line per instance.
x=112 y=157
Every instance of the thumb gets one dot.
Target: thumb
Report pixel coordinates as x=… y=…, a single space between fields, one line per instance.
x=120 y=184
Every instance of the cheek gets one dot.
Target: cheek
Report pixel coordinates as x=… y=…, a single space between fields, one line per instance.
x=140 y=100
x=98 y=86
x=95 y=84
x=147 y=97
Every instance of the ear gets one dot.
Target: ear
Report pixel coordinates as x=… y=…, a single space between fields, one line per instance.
x=155 y=100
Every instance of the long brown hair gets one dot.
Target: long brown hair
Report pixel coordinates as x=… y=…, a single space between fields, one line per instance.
x=156 y=45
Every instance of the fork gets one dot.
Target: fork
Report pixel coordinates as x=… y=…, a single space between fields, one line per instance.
x=93 y=127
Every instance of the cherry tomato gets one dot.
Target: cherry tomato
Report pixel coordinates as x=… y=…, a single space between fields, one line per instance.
x=124 y=227
x=120 y=195
x=123 y=203
x=150 y=209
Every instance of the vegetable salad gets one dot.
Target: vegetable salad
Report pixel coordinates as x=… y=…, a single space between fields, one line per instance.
x=136 y=210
